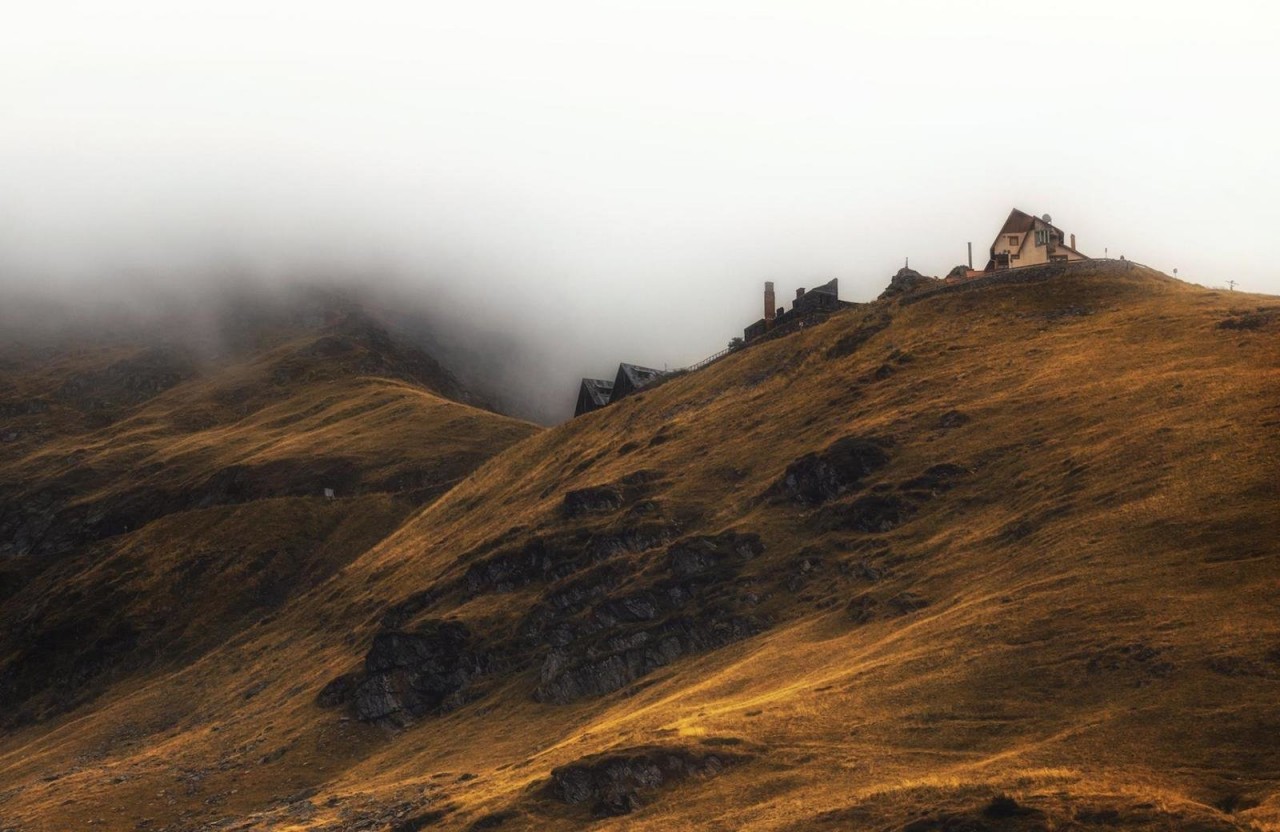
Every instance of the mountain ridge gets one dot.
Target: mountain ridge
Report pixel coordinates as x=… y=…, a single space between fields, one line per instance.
x=999 y=558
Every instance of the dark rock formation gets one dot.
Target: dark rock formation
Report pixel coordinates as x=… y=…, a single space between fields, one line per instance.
x=698 y=555
x=614 y=784
x=907 y=281
x=339 y=691
x=407 y=675
x=618 y=660
x=815 y=478
x=875 y=513
x=600 y=642
x=544 y=560
x=595 y=500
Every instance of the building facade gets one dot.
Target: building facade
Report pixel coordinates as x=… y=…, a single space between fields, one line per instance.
x=1027 y=240
x=824 y=298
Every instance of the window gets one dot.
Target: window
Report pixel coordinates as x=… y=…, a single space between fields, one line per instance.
x=1013 y=239
x=1042 y=236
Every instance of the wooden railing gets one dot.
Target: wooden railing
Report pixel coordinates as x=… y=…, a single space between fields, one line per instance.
x=708 y=360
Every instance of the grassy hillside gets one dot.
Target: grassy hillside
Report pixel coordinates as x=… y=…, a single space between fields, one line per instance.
x=997 y=556
x=154 y=501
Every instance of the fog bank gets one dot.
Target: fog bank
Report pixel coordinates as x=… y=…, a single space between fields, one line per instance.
x=587 y=183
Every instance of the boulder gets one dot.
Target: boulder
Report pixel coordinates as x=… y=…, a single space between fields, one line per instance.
x=875 y=513
x=815 y=478
x=409 y=674
x=907 y=281
x=595 y=500
x=614 y=783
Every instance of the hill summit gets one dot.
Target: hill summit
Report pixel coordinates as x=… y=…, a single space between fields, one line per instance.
x=985 y=556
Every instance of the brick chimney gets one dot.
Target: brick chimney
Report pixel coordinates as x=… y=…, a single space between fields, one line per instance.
x=769 y=305
x=799 y=293
x=1073 y=241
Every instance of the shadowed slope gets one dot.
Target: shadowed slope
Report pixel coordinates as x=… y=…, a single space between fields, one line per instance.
x=998 y=558
x=153 y=504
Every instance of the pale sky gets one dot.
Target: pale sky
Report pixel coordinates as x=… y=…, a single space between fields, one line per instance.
x=624 y=176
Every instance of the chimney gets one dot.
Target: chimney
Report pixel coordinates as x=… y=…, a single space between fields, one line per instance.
x=769 y=305
x=1073 y=241
x=799 y=293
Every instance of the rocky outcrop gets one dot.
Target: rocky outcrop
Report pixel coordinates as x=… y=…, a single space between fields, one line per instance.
x=907 y=281
x=617 y=783
x=544 y=560
x=410 y=674
x=816 y=478
x=600 y=642
x=875 y=513
x=596 y=500
x=620 y=659
x=605 y=499
x=702 y=555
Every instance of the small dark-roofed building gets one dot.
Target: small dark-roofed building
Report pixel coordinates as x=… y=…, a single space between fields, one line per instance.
x=594 y=394
x=630 y=378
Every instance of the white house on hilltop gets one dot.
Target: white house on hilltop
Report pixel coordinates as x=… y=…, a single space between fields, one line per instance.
x=1026 y=240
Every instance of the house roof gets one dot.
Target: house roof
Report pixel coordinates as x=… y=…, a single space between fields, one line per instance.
x=831 y=287
x=598 y=390
x=636 y=375
x=1020 y=222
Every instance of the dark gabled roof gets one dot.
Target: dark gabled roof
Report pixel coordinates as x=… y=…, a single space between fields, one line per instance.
x=598 y=390
x=632 y=377
x=831 y=287
x=593 y=394
x=1019 y=222
x=636 y=375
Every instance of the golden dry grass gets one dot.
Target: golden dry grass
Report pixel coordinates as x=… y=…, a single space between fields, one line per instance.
x=1102 y=631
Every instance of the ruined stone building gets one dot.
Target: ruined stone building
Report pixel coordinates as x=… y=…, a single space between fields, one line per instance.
x=1025 y=240
x=820 y=299
x=595 y=393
